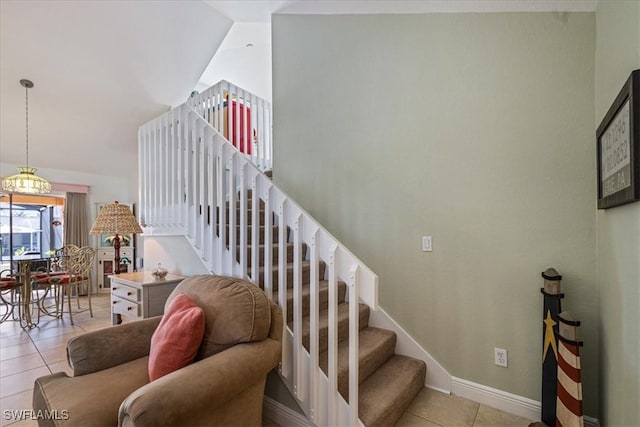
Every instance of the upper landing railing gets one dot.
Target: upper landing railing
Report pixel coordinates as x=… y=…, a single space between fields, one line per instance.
x=241 y=117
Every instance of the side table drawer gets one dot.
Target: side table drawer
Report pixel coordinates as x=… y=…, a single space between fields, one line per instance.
x=140 y=295
x=104 y=254
x=125 y=308
x=124 y=291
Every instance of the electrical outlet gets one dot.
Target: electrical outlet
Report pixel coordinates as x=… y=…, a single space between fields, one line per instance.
x=500 y=356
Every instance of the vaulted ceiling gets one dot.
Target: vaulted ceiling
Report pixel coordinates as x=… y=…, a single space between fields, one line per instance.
x=100 y=70
x=103 y=68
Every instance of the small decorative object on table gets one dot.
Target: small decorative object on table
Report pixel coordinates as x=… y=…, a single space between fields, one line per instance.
x=160 y=272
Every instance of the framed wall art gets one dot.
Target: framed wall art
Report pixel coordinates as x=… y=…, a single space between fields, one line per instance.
x=618 y=148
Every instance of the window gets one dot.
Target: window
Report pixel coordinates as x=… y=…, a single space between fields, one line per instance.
x=30 y=226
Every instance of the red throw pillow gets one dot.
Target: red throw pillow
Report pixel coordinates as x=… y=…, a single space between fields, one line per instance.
x=175 y=342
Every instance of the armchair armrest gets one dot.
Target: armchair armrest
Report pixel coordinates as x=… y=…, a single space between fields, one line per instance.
x=277 y=323
x=109 y=347
x=208 y=383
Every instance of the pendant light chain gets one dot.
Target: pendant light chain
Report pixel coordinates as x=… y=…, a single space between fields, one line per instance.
x=26 y=91
x=26 y=181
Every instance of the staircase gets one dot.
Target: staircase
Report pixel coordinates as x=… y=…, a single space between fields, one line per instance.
x=195 y=183
x=387 y=382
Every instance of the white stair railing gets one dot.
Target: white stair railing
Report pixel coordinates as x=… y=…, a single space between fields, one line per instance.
x=241 y=117
x=189 y=175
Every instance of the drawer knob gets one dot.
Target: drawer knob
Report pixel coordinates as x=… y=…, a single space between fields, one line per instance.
x=114 y=302
x=129 y=293
x=128 y=308
x=115 y=289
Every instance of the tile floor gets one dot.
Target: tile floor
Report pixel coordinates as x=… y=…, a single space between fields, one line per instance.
x=434 y=409
x=28 y=354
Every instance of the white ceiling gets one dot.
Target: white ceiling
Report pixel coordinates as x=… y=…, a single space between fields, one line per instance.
x=261 y=10
x=243 y=58
x=103 y=68
x=100 y=69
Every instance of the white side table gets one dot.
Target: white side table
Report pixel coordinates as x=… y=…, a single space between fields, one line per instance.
x=140 y=295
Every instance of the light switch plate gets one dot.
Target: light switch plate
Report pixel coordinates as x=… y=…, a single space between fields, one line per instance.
x=426 y=244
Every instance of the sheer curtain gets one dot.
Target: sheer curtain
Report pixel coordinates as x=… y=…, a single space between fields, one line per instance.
x=76 y=226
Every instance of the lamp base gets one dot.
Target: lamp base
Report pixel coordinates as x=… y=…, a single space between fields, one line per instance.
x=116 y=258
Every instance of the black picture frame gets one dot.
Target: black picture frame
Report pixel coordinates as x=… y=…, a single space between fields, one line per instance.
x=618 y=148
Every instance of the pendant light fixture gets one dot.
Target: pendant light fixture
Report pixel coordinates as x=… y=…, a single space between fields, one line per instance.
x=26 y=181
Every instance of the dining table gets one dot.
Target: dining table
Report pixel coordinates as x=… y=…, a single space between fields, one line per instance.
x=27 y=304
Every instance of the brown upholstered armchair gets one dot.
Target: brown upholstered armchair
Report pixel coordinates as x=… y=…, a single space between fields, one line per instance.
x=223 y=386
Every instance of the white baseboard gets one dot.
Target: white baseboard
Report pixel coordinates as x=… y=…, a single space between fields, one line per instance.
x=505 y=401
x=283 y=415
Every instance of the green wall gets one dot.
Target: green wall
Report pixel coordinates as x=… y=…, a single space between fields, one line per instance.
x=618 y=231
x=476 y=129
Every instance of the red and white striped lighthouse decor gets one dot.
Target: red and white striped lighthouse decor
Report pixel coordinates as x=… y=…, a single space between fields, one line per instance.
x=569 y=402
x=552 y=299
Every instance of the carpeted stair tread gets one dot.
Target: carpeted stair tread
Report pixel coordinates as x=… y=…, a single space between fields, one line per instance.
x=375 y=347
x=343 y=325
x=261 y=217
x=306 y=273
x=389 y=391
x=323 y=297
x=249 y=233
x=261 y=204
x=275 y=253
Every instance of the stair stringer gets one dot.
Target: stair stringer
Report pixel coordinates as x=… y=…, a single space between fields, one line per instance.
x=437 y=376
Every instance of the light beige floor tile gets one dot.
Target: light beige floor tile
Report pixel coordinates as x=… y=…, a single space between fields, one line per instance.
x=98 y=313
x=14 y=351
x=55 y=354
x=9 y=328
x=443 y=409
x=15 y=402
x=408 y=420
x=53 y=328
x=83 y=315
x=21 y=363
x=47 y=323
x=21 y=338
x=21 y=381
x=95 y=324
x=48 y=343
x=60 y=367
x=488 y=416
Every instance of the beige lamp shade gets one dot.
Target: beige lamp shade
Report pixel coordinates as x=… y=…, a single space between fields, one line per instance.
x=115 y=219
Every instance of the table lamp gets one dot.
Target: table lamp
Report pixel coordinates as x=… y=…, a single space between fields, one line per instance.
x=116 y=219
